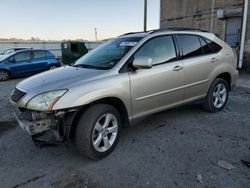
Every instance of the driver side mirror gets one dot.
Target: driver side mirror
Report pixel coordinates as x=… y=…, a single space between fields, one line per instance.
x=142 y=63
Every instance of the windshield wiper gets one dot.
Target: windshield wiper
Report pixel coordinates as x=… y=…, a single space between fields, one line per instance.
x=88 y=66
x=83 y=66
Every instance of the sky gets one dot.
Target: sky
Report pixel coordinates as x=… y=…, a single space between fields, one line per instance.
x=74 y=19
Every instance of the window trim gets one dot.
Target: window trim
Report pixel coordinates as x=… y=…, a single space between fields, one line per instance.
x=125 y=67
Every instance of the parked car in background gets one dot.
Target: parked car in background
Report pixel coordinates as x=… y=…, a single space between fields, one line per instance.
x=26 y=62
x=11 y=50
x=127 y=78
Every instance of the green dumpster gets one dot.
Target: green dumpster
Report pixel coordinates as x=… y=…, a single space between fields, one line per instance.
x=72 y=50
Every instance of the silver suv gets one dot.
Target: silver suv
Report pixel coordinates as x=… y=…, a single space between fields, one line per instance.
x=132 y=76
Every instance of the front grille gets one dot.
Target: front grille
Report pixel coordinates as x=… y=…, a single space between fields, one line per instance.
x=17 y=95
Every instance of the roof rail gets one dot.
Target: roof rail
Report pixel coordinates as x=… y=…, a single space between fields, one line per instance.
x=179 y=29
x=166 y=29
x=130 y=33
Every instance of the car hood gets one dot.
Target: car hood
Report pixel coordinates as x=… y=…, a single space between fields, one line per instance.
x=60 y=78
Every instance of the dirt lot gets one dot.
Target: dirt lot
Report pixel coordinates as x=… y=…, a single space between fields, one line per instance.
x=168 y=149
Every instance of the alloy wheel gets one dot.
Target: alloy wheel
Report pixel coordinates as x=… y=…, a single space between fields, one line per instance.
x=3 y=75
x=219 y=95
x=105 y=132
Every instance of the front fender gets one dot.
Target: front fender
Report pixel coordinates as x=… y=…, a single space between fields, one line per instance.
x=117 y=87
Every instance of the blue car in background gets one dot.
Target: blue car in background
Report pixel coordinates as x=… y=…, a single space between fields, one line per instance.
x=26 y=62
x=11 y=50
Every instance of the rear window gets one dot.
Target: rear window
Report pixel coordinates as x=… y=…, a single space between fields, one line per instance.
x=191 y=46
x=39 y=54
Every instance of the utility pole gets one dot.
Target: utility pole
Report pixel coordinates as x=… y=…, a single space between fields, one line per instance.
x=96 y=34
x=243 y=34
x=145 y=14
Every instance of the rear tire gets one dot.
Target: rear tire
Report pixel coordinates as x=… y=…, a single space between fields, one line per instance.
x=98 y=130
x=4 y=75
x=52 y=67
x=217 y=96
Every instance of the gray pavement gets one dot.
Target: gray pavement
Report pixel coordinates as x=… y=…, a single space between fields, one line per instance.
x=244 y=80
x=168 y=149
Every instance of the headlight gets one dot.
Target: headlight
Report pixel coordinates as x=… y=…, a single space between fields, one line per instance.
x=45 y=101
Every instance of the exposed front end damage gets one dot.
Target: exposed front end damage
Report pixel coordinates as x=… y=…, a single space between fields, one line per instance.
x=46 y=128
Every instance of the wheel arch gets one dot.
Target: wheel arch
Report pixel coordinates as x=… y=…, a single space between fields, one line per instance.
x=114 y=101
x=227 y=77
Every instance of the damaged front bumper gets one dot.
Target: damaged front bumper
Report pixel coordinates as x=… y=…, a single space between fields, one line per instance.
x=41 y=124
x=35 y=122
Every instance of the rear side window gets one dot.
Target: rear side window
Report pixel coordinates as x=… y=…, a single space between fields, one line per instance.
x=191 y=46
x=39 y=54
x=160 y=50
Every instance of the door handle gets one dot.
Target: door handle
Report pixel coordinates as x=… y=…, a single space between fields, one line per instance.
x=213 y=60
x=177 y=68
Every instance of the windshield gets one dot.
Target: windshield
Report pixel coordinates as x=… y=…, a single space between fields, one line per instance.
x=4 y=56
x=108 y=54
x=7 y=51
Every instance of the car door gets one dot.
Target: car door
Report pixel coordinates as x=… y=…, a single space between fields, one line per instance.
x=20 y=64
x=39 y=61
x=198 y=66
x=161 y=86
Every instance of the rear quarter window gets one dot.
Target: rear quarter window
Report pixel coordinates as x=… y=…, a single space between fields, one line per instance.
x=213 y=45
x=49 y=54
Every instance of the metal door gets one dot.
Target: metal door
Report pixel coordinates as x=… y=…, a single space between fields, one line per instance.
x=233 y=31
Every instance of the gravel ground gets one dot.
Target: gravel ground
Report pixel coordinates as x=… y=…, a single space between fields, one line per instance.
x=168 y=149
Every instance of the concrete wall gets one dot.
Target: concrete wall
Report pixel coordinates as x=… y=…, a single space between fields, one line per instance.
x=202 y=14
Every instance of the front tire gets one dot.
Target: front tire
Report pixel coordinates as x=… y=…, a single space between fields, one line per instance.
x=98 y=131
x=217 y=96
